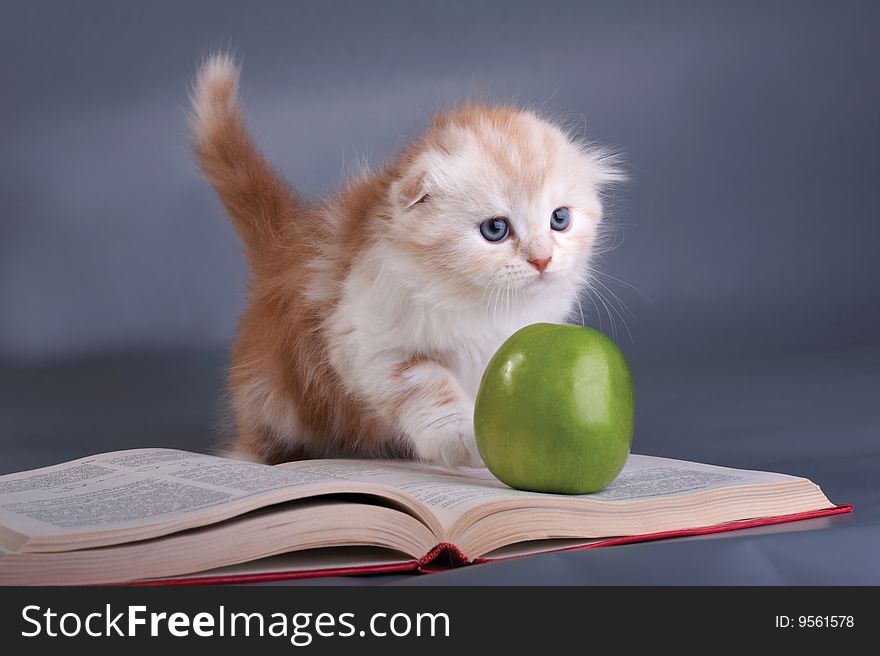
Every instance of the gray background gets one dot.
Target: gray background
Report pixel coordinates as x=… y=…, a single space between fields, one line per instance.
x=746 y=237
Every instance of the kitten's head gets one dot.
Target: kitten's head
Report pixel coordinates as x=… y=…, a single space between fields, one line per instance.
x=498 y=200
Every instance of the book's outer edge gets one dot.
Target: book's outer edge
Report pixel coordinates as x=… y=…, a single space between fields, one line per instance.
x=717 y=528
x=445 y=555
x=406 y=566
x=431 y=561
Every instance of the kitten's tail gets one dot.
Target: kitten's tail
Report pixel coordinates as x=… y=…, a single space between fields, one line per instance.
x=257 y=199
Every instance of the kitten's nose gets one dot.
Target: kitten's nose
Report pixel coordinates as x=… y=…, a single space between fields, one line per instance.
x=541 y=265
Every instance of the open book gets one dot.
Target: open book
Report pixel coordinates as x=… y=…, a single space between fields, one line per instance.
x=161 y=515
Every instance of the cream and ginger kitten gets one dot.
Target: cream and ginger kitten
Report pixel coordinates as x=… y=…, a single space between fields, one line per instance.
x=373 y=313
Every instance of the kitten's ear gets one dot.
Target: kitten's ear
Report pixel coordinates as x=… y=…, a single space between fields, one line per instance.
x=411 y=189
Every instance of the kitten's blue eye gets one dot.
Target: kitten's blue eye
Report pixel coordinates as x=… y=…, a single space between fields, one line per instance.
x=560 y=219
x=494 y=229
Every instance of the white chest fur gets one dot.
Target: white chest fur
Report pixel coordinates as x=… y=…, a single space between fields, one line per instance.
x=384 y=316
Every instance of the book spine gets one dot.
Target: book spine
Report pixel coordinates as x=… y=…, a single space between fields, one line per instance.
x=444 y=556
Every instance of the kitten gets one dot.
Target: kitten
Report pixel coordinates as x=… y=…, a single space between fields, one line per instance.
x=373 y=313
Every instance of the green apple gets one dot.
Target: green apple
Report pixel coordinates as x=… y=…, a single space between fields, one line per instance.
x=554 y=412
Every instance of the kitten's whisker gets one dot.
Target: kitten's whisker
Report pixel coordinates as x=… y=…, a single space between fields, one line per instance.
x=598 y=297
x=588 y=289
x=622 y=282
x=492 y=289
x=607 y=242
x=577 y=298
x=622 y=318
x=483 y=296
x=575 y=293
x=615 y=297
x=611 y=320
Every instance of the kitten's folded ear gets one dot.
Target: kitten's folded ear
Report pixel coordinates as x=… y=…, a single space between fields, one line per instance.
x=411 y=189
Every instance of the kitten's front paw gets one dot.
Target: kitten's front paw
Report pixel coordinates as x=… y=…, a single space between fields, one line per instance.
x=451 y=444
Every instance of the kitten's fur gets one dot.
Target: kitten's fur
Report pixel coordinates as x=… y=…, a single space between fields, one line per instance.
x=374 y=313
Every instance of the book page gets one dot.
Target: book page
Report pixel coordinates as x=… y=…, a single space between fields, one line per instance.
x=450 y=493
x=126 y=488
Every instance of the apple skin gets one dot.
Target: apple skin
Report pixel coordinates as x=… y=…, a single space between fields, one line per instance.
x=555 y=409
